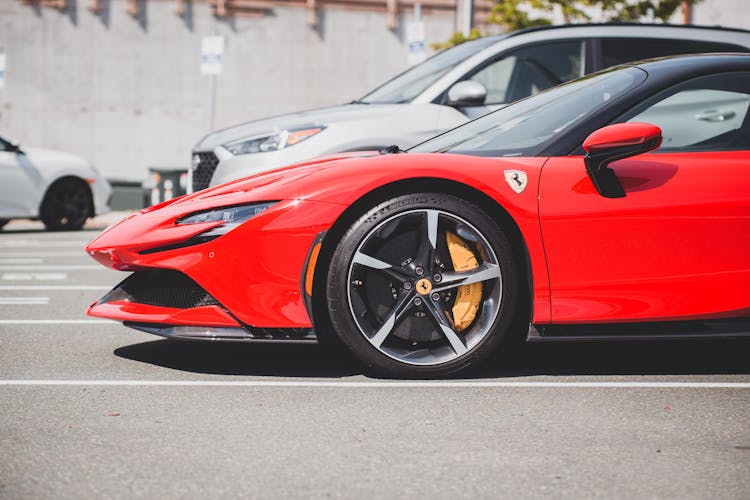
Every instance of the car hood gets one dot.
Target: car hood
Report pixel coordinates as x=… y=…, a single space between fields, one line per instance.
x=334 y=182
x=342 y=179
x=311 y=118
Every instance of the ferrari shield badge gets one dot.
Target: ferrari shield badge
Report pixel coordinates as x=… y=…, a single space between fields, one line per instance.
x=516 y=179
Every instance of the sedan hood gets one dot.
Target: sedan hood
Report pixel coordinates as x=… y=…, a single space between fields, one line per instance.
x=281 y=180
x=303 y=119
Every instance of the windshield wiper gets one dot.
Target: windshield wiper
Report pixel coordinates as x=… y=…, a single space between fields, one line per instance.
x=391 y=150
x=357 y=101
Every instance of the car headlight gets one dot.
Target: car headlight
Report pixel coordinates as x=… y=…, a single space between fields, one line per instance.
x=230 y=216
x=271 y=142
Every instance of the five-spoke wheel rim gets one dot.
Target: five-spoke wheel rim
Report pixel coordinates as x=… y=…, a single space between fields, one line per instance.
x=402 y=284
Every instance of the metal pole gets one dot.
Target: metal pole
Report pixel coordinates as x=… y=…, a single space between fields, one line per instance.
x=467 y=17
x=211 y=101
x=212 y=78
x=687 y=12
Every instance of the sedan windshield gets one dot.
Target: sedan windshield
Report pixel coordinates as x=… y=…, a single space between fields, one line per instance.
x=527 y=127
x=409 y=84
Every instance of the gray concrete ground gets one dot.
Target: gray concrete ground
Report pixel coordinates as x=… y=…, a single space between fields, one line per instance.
x=90 y=409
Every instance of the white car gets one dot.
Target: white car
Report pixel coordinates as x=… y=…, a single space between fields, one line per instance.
x=452 y=87
x=60 y=189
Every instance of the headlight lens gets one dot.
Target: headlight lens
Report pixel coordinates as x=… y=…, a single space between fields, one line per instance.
x=230 y=216
x=271 y=142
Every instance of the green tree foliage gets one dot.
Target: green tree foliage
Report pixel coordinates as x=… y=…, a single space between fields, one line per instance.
x=457 y=38
x=519 y=14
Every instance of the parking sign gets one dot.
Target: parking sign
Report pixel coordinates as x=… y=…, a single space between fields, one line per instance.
x=212 y=53
x=415 y=42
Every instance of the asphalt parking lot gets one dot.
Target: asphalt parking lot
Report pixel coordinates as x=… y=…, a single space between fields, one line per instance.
x=90 y=409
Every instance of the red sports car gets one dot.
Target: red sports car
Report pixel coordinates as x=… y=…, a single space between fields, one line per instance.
x=546 y=217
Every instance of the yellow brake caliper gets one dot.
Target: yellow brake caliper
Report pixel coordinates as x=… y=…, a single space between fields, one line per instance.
x=468 y=297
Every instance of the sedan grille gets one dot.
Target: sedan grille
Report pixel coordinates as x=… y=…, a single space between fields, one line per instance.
x=205 y=169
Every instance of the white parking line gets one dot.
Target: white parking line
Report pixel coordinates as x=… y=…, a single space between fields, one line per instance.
x=382 y=384
x=50 y=267
x=18 y=260
x=79 y=253
x=27 y=301
x=34 y=276
x=57 y=322
x=44 y=243
x=48 y=288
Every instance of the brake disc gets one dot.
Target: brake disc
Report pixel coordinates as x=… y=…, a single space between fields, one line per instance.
x=468 y=297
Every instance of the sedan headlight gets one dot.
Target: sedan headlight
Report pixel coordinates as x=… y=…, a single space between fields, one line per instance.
x=271 y=142
x=230 y=216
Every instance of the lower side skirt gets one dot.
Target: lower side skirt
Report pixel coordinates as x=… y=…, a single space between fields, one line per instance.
x=703 y=329
x=223 y=334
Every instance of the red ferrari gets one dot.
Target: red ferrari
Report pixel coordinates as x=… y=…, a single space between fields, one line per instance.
x=615 y=206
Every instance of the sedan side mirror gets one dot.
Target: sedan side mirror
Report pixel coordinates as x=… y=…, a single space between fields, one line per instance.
x=613 y=143
x=466 y=93
x=11 y=146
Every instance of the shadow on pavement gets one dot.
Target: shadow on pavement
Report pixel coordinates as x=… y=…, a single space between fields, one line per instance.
x=281 y=360
x=693 y=357
x=660 y=357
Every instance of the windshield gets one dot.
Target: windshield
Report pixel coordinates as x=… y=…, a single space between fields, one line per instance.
x=409 y=84
x=527 y=127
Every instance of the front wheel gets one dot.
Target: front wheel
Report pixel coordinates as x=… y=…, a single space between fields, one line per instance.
x=67 y=205
x=423 y=285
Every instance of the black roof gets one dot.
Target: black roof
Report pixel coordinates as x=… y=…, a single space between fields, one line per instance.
x=642 y=25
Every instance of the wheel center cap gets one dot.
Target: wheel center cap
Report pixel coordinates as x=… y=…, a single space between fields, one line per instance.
x=424 y=286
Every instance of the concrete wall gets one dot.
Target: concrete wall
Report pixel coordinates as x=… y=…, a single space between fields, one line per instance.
x=126 y=92
x=730 y=13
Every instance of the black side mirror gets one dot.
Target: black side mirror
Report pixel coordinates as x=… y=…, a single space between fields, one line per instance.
x=14 y=147
x=616 y=142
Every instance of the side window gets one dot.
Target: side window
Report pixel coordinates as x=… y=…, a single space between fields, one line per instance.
x=529 y=70
x=495 y=78
x=621 y=50
x=709 y=113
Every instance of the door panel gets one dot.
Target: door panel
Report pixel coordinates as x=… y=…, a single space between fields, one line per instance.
x=19 y=188
x=676 y=247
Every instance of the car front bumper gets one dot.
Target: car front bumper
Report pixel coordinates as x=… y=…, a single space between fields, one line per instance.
x=101 y=191
x=248 y=278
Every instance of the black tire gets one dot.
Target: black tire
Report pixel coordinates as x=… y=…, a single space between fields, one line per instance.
x=403 y=330
x=3 y=222
x=66 y=206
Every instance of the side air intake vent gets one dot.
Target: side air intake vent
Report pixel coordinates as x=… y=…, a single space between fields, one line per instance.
x=162 y=288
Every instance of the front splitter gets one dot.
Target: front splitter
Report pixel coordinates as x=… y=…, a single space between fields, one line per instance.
x=225 y=334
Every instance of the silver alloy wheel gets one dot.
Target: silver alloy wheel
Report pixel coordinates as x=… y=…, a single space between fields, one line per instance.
x=401 y=279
